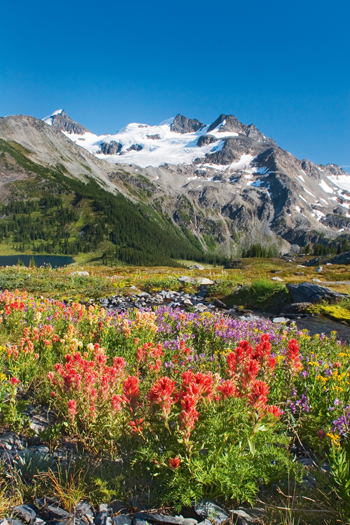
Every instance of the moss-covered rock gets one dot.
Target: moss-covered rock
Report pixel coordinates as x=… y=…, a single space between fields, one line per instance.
x=333 y=311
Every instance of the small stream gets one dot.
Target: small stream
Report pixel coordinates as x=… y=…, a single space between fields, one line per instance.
x=323 y=325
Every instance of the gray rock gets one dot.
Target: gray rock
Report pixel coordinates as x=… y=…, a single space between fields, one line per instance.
x=139 y=521
x=83 y=509
x=204 y=140
x=295 y=308
x=342 y=258
x=219 y=303
x=188 y=302
x=102 y=517
x=56 y=513
x=111 y=148
x=315 y=261
x=196 y=267
x=183 y=124
x=200 y=307
x=63 y=122
x=295 y=248
x=8 y=437
x=280 y=320
x=121 y=519
x=203 y=281
x=278 y=279
x=243 y=516
x=185 y=279
x=313 y=293
x=208 y=509
x=163 y=518
x=135 y=147
x=25 y=513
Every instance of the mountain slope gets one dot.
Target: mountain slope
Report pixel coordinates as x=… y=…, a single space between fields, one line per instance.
x=219 y=188
x=57 y=198
x=241 y=183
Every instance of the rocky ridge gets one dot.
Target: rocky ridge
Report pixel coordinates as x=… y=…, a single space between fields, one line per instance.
x=61 y=121
x=227 y=183
x=236 y=180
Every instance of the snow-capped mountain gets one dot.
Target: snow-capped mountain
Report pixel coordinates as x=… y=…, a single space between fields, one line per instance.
x=60 y=120
x=175 y=141
x=226 y=183
x=225 y=150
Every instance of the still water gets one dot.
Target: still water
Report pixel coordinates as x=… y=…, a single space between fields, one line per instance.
x=56 y=261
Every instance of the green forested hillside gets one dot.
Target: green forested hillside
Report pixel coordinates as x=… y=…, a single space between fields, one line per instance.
x=50 y=212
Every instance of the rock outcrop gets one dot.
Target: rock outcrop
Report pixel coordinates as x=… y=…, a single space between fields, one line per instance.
x=111 y=148
x=63 y=122
x=183 y=124
x=313 y=293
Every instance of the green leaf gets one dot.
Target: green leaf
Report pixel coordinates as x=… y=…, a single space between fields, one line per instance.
x=251 y=447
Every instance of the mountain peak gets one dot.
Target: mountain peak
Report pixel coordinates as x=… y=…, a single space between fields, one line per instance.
x=227 y=123
x=60 y=120
x=183 y=124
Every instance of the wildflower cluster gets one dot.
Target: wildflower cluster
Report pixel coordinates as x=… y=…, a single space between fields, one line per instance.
x=183 y=391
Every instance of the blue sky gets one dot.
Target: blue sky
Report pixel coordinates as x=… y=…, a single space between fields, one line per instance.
x=282 y=65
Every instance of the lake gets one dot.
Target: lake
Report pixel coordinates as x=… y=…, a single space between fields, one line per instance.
x=56 y=261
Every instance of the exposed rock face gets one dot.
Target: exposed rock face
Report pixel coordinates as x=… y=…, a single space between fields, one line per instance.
x=206 y=139
x=111 y=148
x=313 y=293
x=183 y=124
x=231 y=123
x=336 y=221
x=342 y=258
x=235 y=191
x=295 y=308
x=63 y=122
x=135 y=147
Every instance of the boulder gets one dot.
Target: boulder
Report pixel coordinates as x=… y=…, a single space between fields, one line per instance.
x=121 y=519
x=295 y=308
x=342 y=258
x=164 y=519
x=313 y=293
x=25 y=513
x=196 y=267
x=233 y=265
x=203 y=281
x=219 y=303
x=208 y=509
x=243 y=516
x=315 y=261
x=279 y=320
x=185 y=279
x=53 y=512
